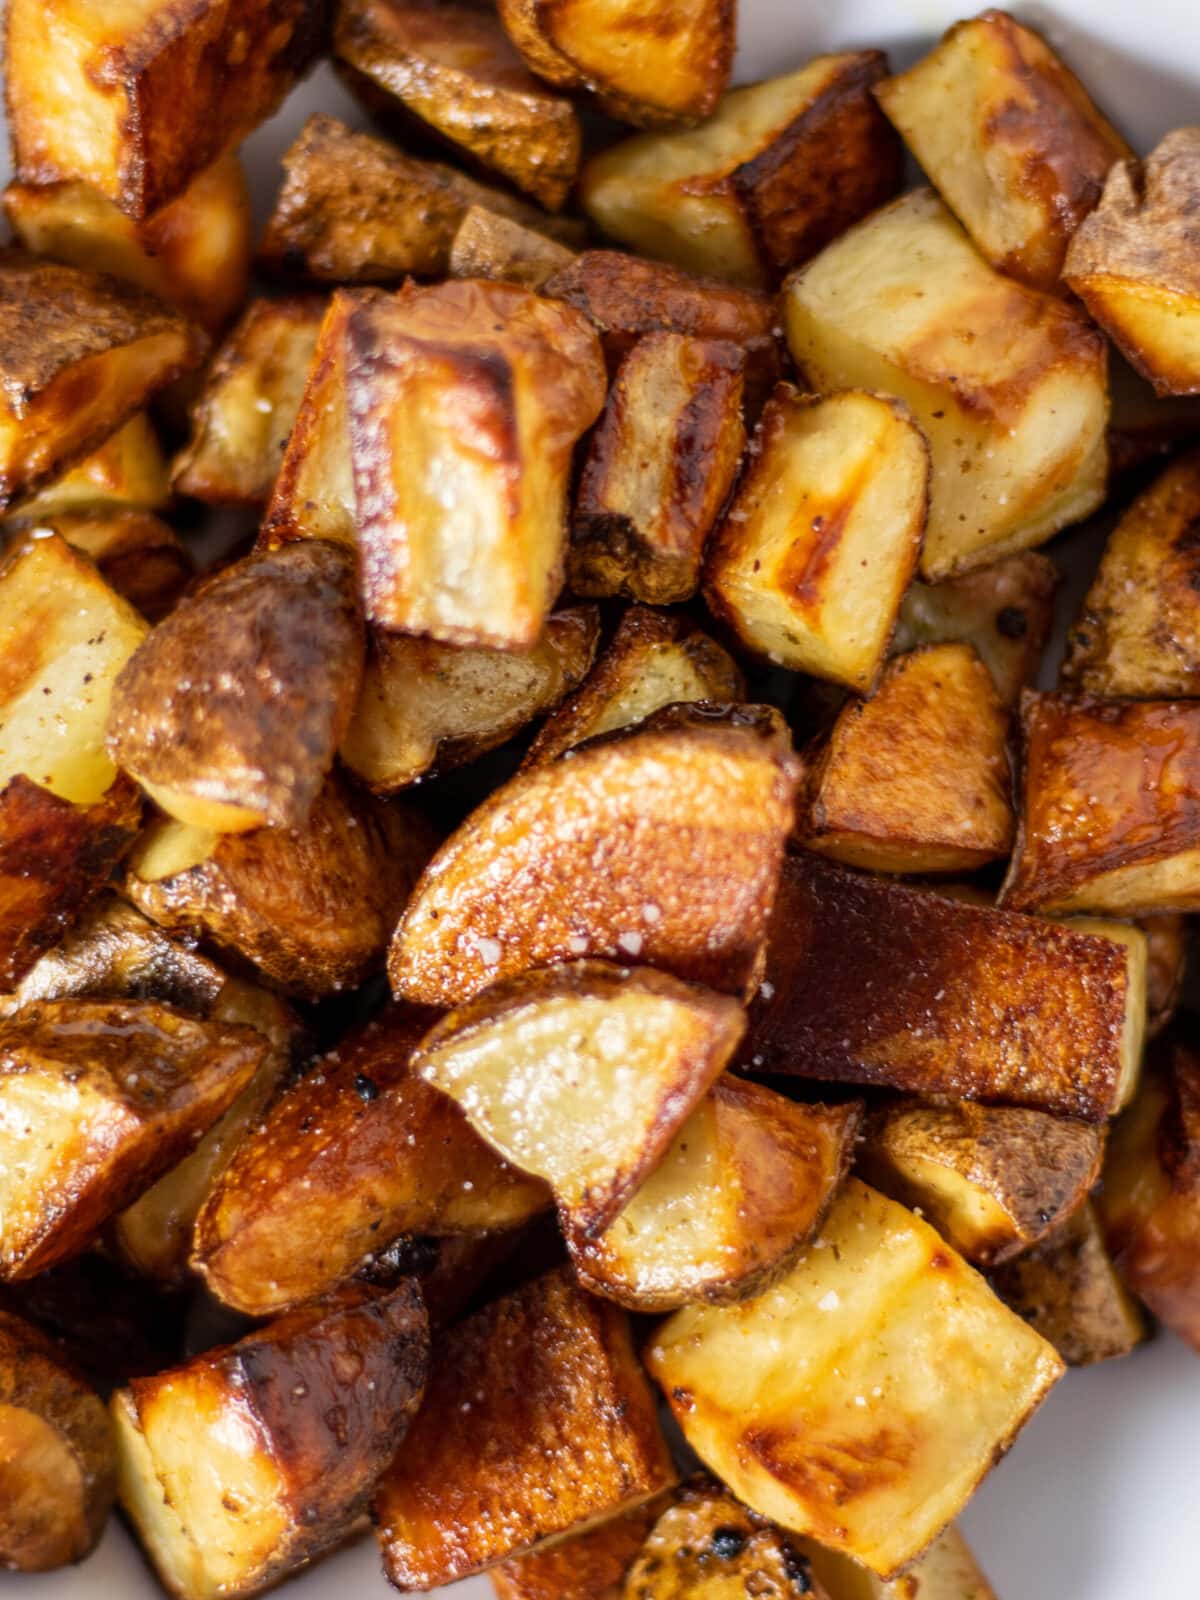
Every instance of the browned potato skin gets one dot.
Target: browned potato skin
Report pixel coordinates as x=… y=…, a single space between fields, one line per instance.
x=57 y=1468
x=559 y=1429
x=693 y=804
x=1168 y=946
x=488 y=245
x=138 y=554
x=356 y=1155
x=1010 y=1009
x=585 y=1566
x=659 y=469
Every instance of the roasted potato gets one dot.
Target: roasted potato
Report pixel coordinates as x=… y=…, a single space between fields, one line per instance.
x=229 y=1481
x=870 y=981
x=427 y=707
x=249 y=737
x=1168 y=947
x=57 y=1462
x=1134 y=263
x=537 y=1420
x=863 y=1397
x=659 y=469
x=947 y=1571
x=822 y=537
x=154 y=93
x=582 y=1566
x=1144 y=426
x=137 y=554
x=1007 y=383
x=359 y=1153
x=660 y=845
x=916 y=779
x=780 y=169
x=127 y=472
x=489 y=245
x=1011 y=139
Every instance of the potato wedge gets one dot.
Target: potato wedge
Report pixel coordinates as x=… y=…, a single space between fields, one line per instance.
x=137 y=554
x=581 y=1566
x=359 y=1153
x=822 y=537
x=1007 y=383
x=659 y=469
x=782 y=168
x=744 y=1184
x=154 y=95
x=1012 y=140
x=870 y=981
x=916 y=778
x=57 y=1462
x=537 y=1420
x=489 y=245
x=694 y=805
x=248 y=738
x=863 y=1397
x=426 y=707
x=127 y=472
x=947 y=1571
x=228 y=1481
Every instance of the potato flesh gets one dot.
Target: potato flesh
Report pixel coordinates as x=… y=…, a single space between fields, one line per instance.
x=947 y=1571
x=128 y=470
x=42 y=1524
x=175 y=1554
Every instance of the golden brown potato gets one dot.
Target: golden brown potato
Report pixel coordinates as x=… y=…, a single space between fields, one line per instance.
x=79 y=354
x=916 y=779
x=426 y=707
x=780 y=169
x=231 y=735
x=489 y=245
x=660 y=845
x=947 y=1571
x=138 y=99
x=229 y=1480
x=359 y=1153
x=138 y=555
x=1011 y=139
x=744 y=1184
x=822 y=537
x=870 y=981
x=1134 y=263
x=581 y=1566
x=993 y=1180
x=1007 y=383
x=654 y=659
x=863 y=1397
x=310 y=907
x=659 y=469
x=57 y=1461
x=1168 y=947
x=538 y=1419
x=193 y=253
x=127 y=472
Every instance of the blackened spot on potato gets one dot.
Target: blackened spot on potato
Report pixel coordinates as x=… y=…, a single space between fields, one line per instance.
x=728 y=1543
x=366 y=1088
x=1012 y=622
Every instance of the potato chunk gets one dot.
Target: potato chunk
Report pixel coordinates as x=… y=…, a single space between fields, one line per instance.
x=253 y=1458
x=138 y=99
x=1007 y=383
x=661 y=845
x=947 y=1571
x=127 y=472
x=581 y=1566
x=817 y=548
x=488 y=245
x=870 y=981
x=1011 y=139
x=780 y=169
x=140 y=556
x=538 y=1419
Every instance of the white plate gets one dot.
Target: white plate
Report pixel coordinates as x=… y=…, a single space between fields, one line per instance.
x=1099 y=1498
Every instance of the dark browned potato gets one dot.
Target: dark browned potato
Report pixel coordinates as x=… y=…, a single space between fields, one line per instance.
x=581 y=1566
x=139 y=555
x=489 y=245
x=537 y=1419
x=127 y=472
x=1168 y=946
x=254 y=1458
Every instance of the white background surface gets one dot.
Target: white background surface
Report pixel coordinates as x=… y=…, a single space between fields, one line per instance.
x=1100 y=1498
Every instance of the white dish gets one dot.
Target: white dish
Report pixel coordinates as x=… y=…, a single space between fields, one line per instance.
x=1098 y=1500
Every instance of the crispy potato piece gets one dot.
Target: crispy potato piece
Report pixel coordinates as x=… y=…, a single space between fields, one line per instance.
x=127 y=472
x=57 y=1461
x=248 y=738
x=863 y=1398
x=138 y=100
x=538 y=1420
x=1011 y=139
x=743 y=1185
x=426 y=707
x=916 y=779
x=1005 y=611
x=581 y=1566
x=661 y=844
x=310 y=907
x=1135 y=265
x=359 y=1153
x=870 y=981
x=139 y=555
x=1168 y=947
x=822 y=537
x=783 y=167
x=993 y=1180
x=229 y=1482
x=947 y=1571
x=100 y=1098
x=488 y=245
x=1007 y=383
x=659 y=469
x=453 y=70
